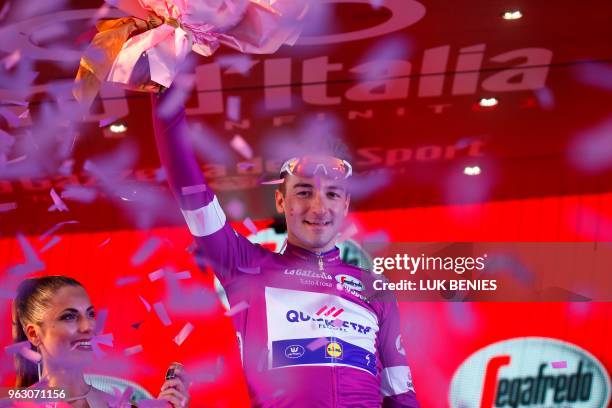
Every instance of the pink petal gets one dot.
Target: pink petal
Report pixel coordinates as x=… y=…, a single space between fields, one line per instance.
x=236 y=64
x=5 y=9
x=30 y=354
x=157 y=275
x=181 y=275
x=101 y=317
x=559 y=364
x=237 y=308
x=242 y=147
x=235 y=209
x=79 y=193
x=15 y=347
x=127 y=280
x=6 y=207
x=250 y=225
x=233 y=108
x=106 y=339
x=107 y=121
x=151 y=403
x=105 y=242
x=145 y=251
x=198 y=188
x=12 y=59
x=133 y=350
x=53 y=229
x=145 y=303
x=161 y=312
x=50 y=244
x=316 y=344
x=273 y=182
x=349 y=232
x=57 y=201
x=182 y=335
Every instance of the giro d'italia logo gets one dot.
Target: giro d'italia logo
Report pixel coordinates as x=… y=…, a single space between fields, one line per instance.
x=532 y=372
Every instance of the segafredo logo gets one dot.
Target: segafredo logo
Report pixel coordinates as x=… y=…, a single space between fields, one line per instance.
x=533 y=372
x=349 y=282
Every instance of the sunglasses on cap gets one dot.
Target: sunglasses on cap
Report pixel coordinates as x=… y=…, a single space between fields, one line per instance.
x=311 y=166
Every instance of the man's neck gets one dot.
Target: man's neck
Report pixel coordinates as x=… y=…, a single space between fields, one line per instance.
x=315 y=251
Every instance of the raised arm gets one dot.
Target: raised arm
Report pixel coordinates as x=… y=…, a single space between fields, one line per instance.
x=216 y=239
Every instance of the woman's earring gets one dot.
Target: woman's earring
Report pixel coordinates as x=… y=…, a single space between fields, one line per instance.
x=39 y=365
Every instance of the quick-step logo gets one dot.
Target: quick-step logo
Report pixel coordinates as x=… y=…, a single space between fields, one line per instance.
x=519 y=373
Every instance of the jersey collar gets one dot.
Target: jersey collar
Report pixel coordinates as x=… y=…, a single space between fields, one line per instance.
x=330 y=257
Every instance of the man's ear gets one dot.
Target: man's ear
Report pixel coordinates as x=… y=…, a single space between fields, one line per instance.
x=346 y=204
x=279 y=199
x=33 y=335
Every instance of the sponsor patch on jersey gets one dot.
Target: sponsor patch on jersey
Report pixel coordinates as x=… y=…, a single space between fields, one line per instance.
x=350 y=282
x=333 y=350
x=297 y=318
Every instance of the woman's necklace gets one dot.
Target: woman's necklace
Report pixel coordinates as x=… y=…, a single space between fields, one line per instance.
x=79 y=397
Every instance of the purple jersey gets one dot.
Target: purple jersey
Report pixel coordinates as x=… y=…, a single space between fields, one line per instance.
x=313 y=335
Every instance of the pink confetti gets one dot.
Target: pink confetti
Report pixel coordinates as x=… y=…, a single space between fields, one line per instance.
x=233 y=108
x=181 y=275
x=199 y=188
x=127 y=280
x=559 y=364
x=237 y=308
x=30 y=355
x=101 y=317
x=242 y=147
x=53 y=229
x=182 y=335
x=250 y=225
x=145 y=251
x=11 y=60
x=160 y=175
x=145 y=303
x=54 y=241
x=79 y=193
x=349 y=232
x=5 y=9
x=157 y=275
x=6 y=207
x=32 y=265
x=107 y=121
x=57 y=201
x=25 y=114
x=317 y=344
x=7 y=294
x=11 y=118
x=236 y=64
x=161 y=312
x=235 y=209
x=100 y=13
x=273 y=182
x=105 y=242
x=133 y=350
x=337 y=323
x=251 y=271
x=151 y=403
x=14 y=348
x=106 y=339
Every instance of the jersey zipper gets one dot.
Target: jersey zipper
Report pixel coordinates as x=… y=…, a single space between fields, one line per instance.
x=320 y=262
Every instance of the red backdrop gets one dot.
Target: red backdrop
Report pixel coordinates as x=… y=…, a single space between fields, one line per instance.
x=438 y=336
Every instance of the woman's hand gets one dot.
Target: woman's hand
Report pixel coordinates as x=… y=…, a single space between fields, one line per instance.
x=175 y=390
